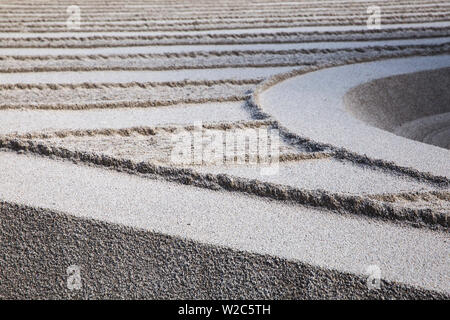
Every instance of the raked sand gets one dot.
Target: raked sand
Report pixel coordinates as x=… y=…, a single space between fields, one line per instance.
x=214 y=48
x=347 y=244
x=408 y=105
x=88 y=119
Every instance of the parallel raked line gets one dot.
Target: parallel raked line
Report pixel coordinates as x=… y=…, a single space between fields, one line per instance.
x=221 y=7
x=210 y=39
x=119 y=18
x=217 y=60
x=317 y=198
x=339 y=202
x=116 y=17
x=220 y=24
x=224 y=26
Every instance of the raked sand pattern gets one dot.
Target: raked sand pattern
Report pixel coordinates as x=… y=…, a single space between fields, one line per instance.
x=89 y=117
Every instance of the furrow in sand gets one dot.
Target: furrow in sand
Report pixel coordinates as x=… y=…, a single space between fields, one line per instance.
x=188 y=50
x=441 y=24
x=144 y=85
x=214 y=4
x=62 y=156
x=319 y=174
x=417 y=259
x=434 y=200
x=105 y=41
x=211 y=22
x=144 y=129
x=19 y=122
x=155 y=144
x=189 y=3
x=121 y=97
x=158 y=19
x=180 y=27
x=119 y=17
x=344 y=202
x=90 y=95
x=53 y=90
x=202 y=60
x=209 y=9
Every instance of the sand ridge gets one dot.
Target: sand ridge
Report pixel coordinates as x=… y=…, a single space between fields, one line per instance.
x=71 y=115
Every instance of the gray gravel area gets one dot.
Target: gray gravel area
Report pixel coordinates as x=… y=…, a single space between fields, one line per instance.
x=411 y=256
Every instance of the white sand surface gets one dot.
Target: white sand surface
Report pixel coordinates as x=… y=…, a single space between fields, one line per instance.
x=221 y=32
x=346 y=243
x=327 y=174
x=414 y=105
x=140 y=76
x=210 y=21
x=153 y=230
x=217 y=4
x=218 y=48
x=433 y=129
x=312 y=105
x=22 y=121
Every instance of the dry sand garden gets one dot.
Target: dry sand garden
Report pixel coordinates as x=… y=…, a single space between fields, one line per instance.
x=99 y=100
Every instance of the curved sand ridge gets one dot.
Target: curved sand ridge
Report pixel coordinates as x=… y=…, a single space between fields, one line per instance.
x=414 y=105
x=322 y=114
x=287 y=249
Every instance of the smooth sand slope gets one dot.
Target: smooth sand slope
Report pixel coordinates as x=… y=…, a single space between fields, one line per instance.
x=88 y=119
x=313 y=105
x=411 y=105
x=141 y=76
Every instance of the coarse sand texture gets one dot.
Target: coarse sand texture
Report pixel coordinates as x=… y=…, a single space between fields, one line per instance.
x=92 y=117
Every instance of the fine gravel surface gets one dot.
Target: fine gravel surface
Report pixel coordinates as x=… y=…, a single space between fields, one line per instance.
x=157 y=144
x=222 y=39
x=122 y=95
x=32 y=52
x=327 y=240
x=333 y=28
x=29 y=121
x=433 y=130
x=357 y=117
x=330 y=175
x=140 y=76
x=415 y=104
